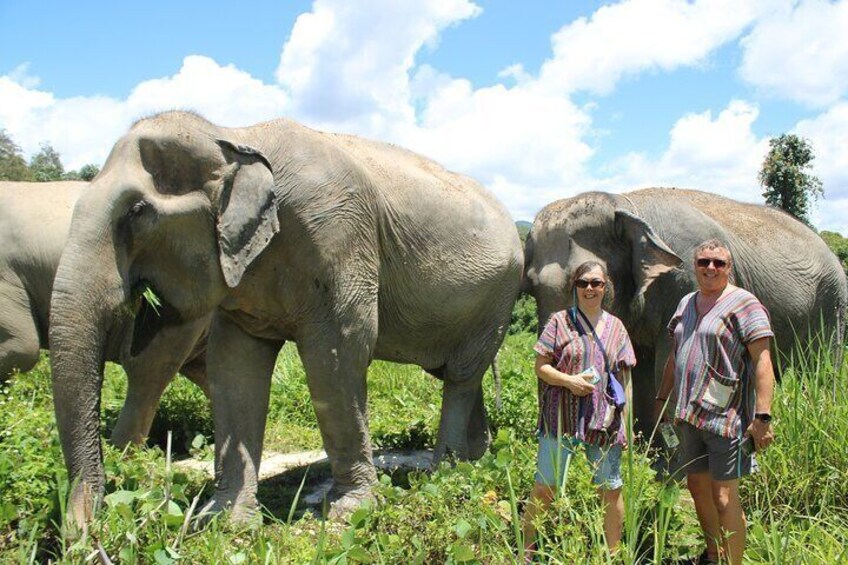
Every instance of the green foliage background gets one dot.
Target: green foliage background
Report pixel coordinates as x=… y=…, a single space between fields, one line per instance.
x=44 y=166
x=786 y=175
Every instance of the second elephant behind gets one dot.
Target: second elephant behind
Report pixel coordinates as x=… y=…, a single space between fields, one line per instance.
x=34 y=222
x=647 y=237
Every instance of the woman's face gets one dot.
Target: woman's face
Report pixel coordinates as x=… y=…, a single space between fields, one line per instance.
x=591 y=287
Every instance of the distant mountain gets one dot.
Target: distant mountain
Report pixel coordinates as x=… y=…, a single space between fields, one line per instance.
x=523 y=228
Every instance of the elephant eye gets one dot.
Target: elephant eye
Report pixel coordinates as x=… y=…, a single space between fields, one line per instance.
x=137 y=209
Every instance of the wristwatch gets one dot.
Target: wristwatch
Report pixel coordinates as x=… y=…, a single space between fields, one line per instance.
x=763 y=417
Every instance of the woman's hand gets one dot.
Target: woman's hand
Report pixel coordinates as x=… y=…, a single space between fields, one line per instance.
x=579 y=384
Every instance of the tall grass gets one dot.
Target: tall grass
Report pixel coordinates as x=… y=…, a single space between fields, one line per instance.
x=465 y=513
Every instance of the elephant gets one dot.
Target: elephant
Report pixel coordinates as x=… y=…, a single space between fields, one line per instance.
x=353 y=249
x=34 y=222
x=646 y=239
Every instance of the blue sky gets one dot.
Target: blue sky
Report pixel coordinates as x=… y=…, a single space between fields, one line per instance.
x=539 y=100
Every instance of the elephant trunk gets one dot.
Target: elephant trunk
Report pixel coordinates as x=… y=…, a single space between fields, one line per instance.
x=86 y=298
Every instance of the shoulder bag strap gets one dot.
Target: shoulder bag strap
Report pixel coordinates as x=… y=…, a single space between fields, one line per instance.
x=597 y=339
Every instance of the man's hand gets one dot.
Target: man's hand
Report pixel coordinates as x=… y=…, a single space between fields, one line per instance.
x=762 y=434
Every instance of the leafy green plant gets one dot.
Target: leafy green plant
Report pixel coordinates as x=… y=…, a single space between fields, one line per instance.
x=459 y=513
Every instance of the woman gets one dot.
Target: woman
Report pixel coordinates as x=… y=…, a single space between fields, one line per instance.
x=576 y=352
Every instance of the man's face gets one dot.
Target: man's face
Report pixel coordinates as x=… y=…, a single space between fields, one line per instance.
x=712 y=269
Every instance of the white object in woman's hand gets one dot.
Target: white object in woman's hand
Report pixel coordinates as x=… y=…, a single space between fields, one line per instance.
x=579 y=384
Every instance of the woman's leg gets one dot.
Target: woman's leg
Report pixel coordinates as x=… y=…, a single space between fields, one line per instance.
x=606 y=462
x=613 y=503
x=551 y=468
x=540 y=499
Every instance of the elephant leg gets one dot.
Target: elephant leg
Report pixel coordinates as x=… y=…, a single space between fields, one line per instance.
x=644 y=390
x=195 y=371
x=463 y=426
x=336 y=360
x=19 y=343
x=148 y=374
x=144 y=389
x=240 y=368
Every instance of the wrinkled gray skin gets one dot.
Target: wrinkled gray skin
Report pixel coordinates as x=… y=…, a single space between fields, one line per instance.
x=34 y=222
x=646 y=239
x=354 y=249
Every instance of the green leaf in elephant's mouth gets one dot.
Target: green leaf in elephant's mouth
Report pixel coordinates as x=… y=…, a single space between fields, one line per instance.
x=152 y=300
x=144 y=292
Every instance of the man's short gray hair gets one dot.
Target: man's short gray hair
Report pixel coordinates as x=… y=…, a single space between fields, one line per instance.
x=712 y=244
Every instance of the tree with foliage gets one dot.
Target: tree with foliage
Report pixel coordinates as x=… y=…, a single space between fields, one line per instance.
x=839 y=246
x=787 y=176
x=86 y=173
x=12 y=164
x=46 y=165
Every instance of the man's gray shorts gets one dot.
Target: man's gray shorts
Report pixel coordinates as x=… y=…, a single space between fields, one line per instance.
x=705 y=451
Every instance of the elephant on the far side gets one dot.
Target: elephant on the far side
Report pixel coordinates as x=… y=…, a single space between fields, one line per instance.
x=646 y=239
x=34 y=222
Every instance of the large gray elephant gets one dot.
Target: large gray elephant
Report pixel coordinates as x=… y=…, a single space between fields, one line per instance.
x=354 y=249
x=34 y=222
x=646 y=239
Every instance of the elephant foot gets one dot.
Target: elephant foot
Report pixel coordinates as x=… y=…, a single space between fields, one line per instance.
x=478 y=443
x=236 y=512
x=344 y=503
x=83 y=503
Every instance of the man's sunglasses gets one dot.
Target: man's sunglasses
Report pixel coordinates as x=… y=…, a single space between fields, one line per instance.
x=719 y=263
x=594 y=283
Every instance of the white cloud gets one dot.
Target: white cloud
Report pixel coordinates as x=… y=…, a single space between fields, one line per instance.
x=83 y=129
x=720 y=155
x=21 y=76
x=347 y=62
x=800 y=52
x=642 y=35
x=828 y=134
x=224 y=95
x=515 y=140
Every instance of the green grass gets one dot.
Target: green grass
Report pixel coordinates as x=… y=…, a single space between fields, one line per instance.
x=467 y=513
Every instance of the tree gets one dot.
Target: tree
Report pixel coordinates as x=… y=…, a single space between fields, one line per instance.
x=46 y=165
x=86 y=173
x=839 y=246
x=787 y=176
x=12 y=164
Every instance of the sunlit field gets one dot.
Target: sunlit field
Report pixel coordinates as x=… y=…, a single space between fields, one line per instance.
x=466 y=513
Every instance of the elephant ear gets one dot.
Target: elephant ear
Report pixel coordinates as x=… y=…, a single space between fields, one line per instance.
x=651 y=256
x=247 y=216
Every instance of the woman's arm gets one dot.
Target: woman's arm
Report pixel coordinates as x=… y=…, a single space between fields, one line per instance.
x=548 y=373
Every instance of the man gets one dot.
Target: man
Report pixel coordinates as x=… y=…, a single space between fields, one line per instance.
x=723 y=382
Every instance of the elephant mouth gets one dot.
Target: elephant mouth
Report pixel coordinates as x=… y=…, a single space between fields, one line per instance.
x=152 y=312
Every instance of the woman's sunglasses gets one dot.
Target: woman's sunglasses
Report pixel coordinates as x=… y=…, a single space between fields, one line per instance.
x=594 y=283
x=719 y=263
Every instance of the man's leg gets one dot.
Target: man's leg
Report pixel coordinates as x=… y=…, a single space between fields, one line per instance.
x=701 y=487
x=731 y=517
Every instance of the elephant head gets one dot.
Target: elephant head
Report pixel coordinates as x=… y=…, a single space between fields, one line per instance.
x=180 y=207
x=593 y=226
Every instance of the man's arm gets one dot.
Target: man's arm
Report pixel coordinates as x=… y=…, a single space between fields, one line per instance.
x=761 y=431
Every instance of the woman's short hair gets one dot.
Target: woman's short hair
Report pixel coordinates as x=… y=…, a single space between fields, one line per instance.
x=585 y=267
